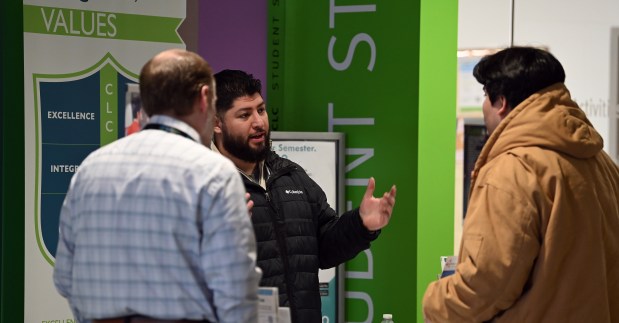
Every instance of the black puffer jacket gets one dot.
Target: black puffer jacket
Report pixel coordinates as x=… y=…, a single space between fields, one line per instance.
x=297 y=233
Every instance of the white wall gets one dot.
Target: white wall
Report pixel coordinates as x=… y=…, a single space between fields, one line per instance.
x=577 y=32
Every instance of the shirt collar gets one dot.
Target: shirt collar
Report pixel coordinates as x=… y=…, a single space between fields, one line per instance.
x=175 y=123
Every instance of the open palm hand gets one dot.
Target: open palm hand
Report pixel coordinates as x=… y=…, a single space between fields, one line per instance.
x=376 y=212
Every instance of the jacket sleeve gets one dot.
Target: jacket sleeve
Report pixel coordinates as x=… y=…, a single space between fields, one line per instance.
x=339 y=238
x=499 y=246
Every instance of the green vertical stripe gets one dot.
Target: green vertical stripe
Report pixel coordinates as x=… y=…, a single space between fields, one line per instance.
x=108 y=104
x=275 y=63
x=384 y=73
x=437 y=133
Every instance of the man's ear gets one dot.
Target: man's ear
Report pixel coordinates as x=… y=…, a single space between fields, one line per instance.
x=503 y=107
x=204 y=101
x=217 y=127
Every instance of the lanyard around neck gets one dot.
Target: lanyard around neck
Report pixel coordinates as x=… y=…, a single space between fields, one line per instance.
x=165 y=128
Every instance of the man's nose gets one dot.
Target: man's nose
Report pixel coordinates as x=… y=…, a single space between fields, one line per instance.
x=257 y=120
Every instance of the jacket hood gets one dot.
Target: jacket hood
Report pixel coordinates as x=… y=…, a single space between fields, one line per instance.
x=549 y=119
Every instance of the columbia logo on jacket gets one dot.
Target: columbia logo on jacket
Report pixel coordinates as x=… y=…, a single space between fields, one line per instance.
x=293 y=192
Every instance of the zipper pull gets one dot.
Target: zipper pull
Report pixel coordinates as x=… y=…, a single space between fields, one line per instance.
x=267 y=196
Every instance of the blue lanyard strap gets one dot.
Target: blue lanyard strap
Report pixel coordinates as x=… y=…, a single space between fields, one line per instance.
x=165 y=128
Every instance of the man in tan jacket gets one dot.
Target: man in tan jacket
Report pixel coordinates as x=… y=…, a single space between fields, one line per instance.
x=541 y=237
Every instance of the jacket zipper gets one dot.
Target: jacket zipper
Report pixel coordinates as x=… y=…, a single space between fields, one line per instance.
x=279 y=236
x=281 y=241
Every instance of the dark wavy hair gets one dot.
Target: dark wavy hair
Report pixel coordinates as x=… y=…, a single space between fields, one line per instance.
x=517 y=73
x=173 y=83
x=231 y=85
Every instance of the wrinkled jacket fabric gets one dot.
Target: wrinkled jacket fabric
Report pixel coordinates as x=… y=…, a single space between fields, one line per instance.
x=298 y=233
x=541 y=235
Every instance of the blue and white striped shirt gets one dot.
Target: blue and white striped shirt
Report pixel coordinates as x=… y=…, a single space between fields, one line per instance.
x=156 y=224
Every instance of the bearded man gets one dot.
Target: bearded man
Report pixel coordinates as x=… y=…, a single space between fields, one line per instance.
x=296 y=233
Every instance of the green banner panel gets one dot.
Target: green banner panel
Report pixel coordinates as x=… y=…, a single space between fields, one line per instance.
x=437 y=142
x=99 y=24
x=384 y=74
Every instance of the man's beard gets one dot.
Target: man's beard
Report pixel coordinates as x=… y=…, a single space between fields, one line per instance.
x=239 y=147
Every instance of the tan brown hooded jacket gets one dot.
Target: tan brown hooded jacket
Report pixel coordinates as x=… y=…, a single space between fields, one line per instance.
x=541 y=236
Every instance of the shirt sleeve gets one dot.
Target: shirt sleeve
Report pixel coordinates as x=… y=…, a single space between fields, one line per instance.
x=63 y=268
x=229 y=253
x=499 y=246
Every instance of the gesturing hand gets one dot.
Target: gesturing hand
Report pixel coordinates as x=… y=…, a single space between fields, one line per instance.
x=376 y=212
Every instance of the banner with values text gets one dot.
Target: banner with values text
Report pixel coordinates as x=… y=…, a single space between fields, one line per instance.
x=81 y=65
